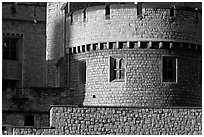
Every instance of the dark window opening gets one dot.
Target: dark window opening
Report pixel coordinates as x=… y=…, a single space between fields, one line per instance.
x=117 y=69
x=83 y=48
x=144 y=45
x=13 y=9
x=185 y=46
x=88 y=47
x=74 y=50
x=155 y=45
x=112 y=45
x=166 y=45
x=107 y=12
x=120 y=45
x=84 y=14
x=94 y=46
x=172 y=11
x=11 y=84
x=29 y=120
x=78 y=49
x=196 y=16
x=71 y=17
x=102 y=45
x=82 y=72
x=94 y=96
x=34 y=13
x=200 y=72
x=139 y=10
x=169 y=69
x=10 y=49
x=132 y=45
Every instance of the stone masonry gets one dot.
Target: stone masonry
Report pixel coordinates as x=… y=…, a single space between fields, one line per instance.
x=71 y=120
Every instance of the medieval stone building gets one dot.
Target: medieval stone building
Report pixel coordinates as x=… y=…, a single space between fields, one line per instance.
x=120 y=68
x=145 y=54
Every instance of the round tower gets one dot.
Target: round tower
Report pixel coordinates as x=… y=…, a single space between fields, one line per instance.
x=135 y=55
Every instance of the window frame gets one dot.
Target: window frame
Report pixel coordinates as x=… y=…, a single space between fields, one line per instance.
x=119 y=56
x=9 y=50
x=176 y=69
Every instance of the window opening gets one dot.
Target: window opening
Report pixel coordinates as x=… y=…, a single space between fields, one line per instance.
x=117 y=69
x=169 y=69
x=82 y=72
x=84 y=14
x=107 y=12
x=172 y=11
x=10 y=49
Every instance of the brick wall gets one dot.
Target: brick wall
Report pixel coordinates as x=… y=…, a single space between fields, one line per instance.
x=32 y=48
x=69 y=120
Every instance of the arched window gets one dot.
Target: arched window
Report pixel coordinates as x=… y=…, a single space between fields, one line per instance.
x=172 y=11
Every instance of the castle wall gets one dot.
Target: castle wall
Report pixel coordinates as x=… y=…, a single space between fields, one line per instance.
x=55 y=40
x=17 y=103
x=125 y=25
x=28 y=25
x=69 y=120
x=145 y=40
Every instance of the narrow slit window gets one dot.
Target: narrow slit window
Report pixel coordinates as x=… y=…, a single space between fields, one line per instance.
x=169 y=72
x=107 y=12
x=84 y=14
x=82 y=72
x=172 y=11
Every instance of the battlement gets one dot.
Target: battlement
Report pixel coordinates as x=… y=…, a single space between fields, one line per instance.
x=133 y=22
x=139 y=10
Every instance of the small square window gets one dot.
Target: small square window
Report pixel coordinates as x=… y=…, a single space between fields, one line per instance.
x=169 y=69
x=117 y=69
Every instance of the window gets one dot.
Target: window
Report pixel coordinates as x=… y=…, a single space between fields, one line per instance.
x=84 y=14
x=172 y=11
x=200 y=72
x=117 y=69
x=169 y=69
x=82 y=72
x=9 y=84
x=10 y=49
x=29 y=120
x=107 y=12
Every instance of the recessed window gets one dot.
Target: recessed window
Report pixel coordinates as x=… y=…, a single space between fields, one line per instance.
x=169 y=69
x=84 y=14
x=82 y=72
x=117 y=68
x=172 y=12
x=10 y=49
x=9 y=84
x=107 y=12
x=200 y=72
x=29 y=120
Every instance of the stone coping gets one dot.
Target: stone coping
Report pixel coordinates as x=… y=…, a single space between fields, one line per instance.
x=163 y=107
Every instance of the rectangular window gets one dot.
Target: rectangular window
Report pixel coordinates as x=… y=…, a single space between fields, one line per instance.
x=10 y=49
x=29 y=120
x=200 y=72
x=82 y=72
x=9 y=84
x=117 y=69
x=169 y=69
